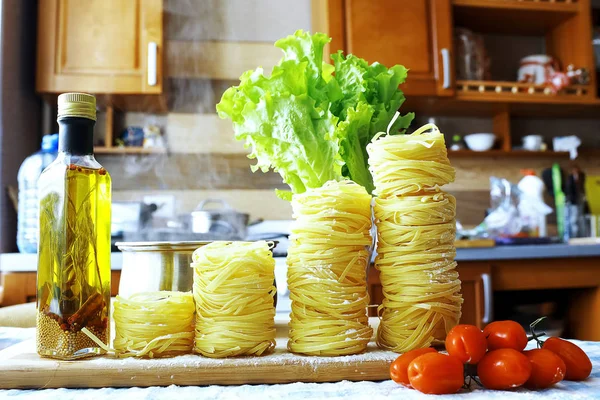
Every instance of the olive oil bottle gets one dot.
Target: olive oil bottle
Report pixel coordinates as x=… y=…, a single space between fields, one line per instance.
x=73 y=281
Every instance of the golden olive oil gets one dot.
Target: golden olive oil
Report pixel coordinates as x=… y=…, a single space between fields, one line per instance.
x=73 y=287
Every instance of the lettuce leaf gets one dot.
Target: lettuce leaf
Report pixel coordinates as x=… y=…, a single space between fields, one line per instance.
x=304 y=48
x=353 y=135
x=310 y=121
x=290 y=135
x=371 y=98
x=285 y=118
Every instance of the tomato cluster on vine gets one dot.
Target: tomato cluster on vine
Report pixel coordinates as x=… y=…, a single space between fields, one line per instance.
x=498 y=356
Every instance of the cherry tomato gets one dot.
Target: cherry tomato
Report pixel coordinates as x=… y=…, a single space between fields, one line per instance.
x=467 y=343
x=436 y=373
x=399 y=368
x=503 y=369
x=546 y=368
x=578 y=363
x=505 y=335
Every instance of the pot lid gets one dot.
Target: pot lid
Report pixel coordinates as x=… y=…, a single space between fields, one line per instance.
x=161 y=246
x=171 y=246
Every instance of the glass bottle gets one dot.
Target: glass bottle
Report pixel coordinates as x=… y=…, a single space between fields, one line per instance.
x=457 y=143
x=73 y=281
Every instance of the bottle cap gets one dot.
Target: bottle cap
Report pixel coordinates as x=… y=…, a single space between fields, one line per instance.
x=80 y=105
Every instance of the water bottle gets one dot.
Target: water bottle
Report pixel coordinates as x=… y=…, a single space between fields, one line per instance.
x=29 y=172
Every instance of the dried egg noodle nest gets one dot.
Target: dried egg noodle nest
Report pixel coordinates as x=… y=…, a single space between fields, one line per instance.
x=327 y=261
x=416 y=231
x=430 y=209
x=233 y=290
x=404 y=164
x=154 y=324
x=151 y=324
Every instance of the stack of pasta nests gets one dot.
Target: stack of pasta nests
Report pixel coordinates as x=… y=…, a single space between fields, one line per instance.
x=416 y=231
x=327 y=263
x=233 y=291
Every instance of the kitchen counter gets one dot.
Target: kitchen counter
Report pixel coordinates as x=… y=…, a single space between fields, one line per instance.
x=16 y=262
x=483 y=272
x=526 y=252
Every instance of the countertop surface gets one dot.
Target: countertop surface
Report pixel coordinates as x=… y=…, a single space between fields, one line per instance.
x=527 y=252
x=16 y=262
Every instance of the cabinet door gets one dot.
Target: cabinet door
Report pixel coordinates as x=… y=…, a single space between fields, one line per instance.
x=414 y=33
x=477 y=293
x=100 y=46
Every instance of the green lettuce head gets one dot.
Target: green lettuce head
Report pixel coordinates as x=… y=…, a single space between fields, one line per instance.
x=310 y=121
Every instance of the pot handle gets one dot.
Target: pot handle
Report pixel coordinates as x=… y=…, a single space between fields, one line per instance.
x=228 y=228
x=203 y=203
x=256 y=222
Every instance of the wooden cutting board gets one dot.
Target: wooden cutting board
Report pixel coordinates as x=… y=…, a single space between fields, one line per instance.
x=584 y=241
x=21 y=367
x=461 y=244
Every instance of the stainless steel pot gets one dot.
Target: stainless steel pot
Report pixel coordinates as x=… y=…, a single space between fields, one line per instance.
x=222 y=222
x=153 y=266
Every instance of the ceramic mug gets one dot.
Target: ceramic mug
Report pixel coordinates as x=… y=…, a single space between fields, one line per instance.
x=537 y=69
x=532 y=142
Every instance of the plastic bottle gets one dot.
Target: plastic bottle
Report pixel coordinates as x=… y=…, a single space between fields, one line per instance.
x=532 y=208
x=29 y=172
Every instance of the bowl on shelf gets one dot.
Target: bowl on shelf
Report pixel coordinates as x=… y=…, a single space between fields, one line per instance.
x=480 y=141
x=533 y=143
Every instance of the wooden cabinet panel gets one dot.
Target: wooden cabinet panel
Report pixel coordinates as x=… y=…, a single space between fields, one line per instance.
x=375 y=296
x=93 y=38
x=477 y=293
x=99 y=46
x=408 y=32
x=378 y=31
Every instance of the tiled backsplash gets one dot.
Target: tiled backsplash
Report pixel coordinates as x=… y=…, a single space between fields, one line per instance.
x=205 y=161
x=262 y=204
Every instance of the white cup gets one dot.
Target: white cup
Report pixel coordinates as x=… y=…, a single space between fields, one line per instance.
x=532 y=142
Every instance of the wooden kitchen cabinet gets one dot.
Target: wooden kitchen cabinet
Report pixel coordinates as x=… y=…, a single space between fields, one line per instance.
x=414 y=33
x=477 y=293
x=100 y=46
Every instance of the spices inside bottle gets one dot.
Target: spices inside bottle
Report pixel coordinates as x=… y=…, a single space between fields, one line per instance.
x=74 y=247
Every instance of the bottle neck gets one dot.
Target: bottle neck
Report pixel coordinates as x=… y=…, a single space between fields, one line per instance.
x=76 y=135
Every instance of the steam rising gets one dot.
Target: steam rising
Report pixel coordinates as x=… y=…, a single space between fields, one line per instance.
x=209 y=160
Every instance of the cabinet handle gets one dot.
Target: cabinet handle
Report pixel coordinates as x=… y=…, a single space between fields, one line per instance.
x=152 y=61
x=486 y=281
x=446 y=68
